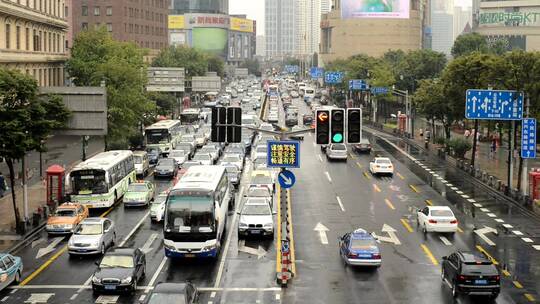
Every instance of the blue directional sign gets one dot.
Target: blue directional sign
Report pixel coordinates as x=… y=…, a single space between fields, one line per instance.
x=316 y=72
x=494 y=104
x=283 y=154
x=528 y=138
x=358 y=84
x=291 y=69
x=379 y=90
x=286 y=179
x=333 y=77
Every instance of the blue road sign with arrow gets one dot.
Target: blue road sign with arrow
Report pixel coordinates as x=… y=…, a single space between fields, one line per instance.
x=286 y=179
x=358 y=84
x=528 y=138
x=494 y=104
x=316 y=72
x=379 y=90
x=333 y=77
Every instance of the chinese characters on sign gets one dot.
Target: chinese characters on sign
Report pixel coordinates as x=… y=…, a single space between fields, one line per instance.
x=528 y=138
x=283 y=154
x=510 y=18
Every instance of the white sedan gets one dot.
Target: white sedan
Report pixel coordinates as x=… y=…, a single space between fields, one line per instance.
x=381 y=165
x=437 y=219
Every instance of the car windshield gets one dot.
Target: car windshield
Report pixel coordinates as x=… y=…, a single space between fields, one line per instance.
x=208 y=150
x=360 y=244
x=231 y=169
x=339 y=147
x=256 y=209
x=230 y=158
x=475 y=269
x=121 y=261
x=89 y=229
x=446 y=213
x=261 y=179
x=383 y=161
x=88 y=182
x=189 y=212
x=258 y=192
x=138 y=159
x=177 y=153
x=160 y=298
x=159 y=200
x=137 y=188
x=65 y=212
x=166 y=162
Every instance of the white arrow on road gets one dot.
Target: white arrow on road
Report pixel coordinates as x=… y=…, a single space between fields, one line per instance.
x=50 y=248
x=474 y=99
x=259 y=252
x=146 y=247
x=322 y=233
x=38 y=241
x=391 y=238
x=482 y=234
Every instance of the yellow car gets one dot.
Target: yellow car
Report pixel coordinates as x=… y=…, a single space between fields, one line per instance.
x=66 y=218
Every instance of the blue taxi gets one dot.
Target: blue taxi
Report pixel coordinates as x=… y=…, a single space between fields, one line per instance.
x=11 y=268
x=359 y=248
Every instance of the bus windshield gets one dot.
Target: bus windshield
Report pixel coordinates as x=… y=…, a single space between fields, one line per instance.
x=187 y=213
x=189 y=118
x=88 y=182
x=159 y=136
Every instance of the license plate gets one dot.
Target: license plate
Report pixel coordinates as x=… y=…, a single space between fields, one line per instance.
x=82 y=250
x=480 y=282
x=255 y=231
x=189 y=255
x=110 y=287
x=364 y=256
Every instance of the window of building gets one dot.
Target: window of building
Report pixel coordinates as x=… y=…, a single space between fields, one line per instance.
x=18 y=37
x=27 y=39
x=85 y=10
x=109 y=27
x=109 y=10
x=49 y=46
x=35 y=4
x=8 y=36
x=84 y=25
x=97 y=11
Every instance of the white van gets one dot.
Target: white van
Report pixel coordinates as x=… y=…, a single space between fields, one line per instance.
x=142 y=163
x=309 y=93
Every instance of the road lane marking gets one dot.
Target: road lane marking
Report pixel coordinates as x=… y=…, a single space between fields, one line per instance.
x=156 y=274
x=517 y=284
x=436 y=175
x=43 y=266
x=406 y=225
x=291 y=234
x=366 y=174
x=537 y=247
x=477 y=205
x=414 y=188
x=226 y=248
x=320 y=158
x=454 y=188
x=141 y=298
x=4 y=298
x=340 y=203
x=328 y=176
x=459 y=192
x=429 y=202
x=137 y=226
x=529 y=297
x=484 y=209
x=148 y=287
x=499 y=220
x=527 y=240
x=491 y=215
x=445 y=240
x=376 y=188
x=505 y=272
x=213 y=294
x=517 y=232
x=73 y=296
x=389 y=204
x=471 y=200
x=359 y=165
x=459 y=230
x=465 y=196
x=399 y=175
x=508 y=226
x=278 y=297
x=429 y=254
x=482 y=250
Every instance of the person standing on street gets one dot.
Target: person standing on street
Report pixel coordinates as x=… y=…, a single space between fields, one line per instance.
x=3 y=186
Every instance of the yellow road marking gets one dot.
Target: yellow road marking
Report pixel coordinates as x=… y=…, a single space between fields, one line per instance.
x=429 y=254
x=367 y=175
x=414 y=189
x=529 y=297
x=291 y=233
x=481 y=249
x=517 y=284
x=399 y=175
x=389 y=203
x=353 y=156
x=406 y=224
x=429 y=202
x=278 y=239
x=55 y=256
x=359 y=165
x=459 y=230
x=506 y=273
x=376 y=188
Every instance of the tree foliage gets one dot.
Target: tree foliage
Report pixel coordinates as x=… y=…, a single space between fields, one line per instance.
x=216 y=64
x=466 y=44
x=418 y=65
x=193 y=60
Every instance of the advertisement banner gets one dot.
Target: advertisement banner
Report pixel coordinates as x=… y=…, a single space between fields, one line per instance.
x=375 y=9
x=176 y=22
x=207 y=20
x=213 y=40
x=241 y=25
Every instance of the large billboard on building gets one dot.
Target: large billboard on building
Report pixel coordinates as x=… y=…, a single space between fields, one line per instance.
x=213 y=40
x=241 y=25
x=176 y=22
x=375 y=9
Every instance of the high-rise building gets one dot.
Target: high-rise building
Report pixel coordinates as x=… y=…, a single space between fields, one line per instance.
x=312 y=21
x=142 y=22
x=442 y=25
x=179 y=7
x=261 y=46
x=462 y=17
x=32 y=39
x=281 y=30
x=326 y=6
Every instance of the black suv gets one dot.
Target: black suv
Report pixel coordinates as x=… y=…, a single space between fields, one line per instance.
x=471 y=273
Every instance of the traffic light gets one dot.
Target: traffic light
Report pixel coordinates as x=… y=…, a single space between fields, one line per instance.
x=337 y=126
x=354 y=125
x=219 y=117
x=234 y=117
x=322 y=127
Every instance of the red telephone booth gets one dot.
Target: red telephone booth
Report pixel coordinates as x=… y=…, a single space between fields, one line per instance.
x=55 y=185
x=186 y=102
x=402 y=122
x=534 y=184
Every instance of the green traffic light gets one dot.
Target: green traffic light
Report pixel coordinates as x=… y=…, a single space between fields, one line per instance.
x=337 y=138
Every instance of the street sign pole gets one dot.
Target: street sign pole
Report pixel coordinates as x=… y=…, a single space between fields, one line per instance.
x=475 y=136
x=524 y=172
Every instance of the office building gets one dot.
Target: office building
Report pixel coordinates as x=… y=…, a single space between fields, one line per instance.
x=261 y=46
x=312 y=21
x=180 y=7
x=281 y=32
x=326 y=6
x=462 y=17
x=442 y=25
x=143 y=22
x=32 y=39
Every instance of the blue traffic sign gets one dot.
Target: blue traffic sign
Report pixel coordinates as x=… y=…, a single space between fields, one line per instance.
x=494 y=104
x=292 y=69
x=379 y=90
x=286 y=179
x=285 y=246
x=528 y=138
x=283 y=154
x=358 y=84
x=333 y=77
x=316 y=72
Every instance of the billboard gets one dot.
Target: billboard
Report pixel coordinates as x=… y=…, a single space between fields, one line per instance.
x=176 y=22
x=212 y=40
x=241 y=25
x=375 y=9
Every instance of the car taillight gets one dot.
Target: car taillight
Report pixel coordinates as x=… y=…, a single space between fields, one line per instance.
x=453 y=222
x=462 y=278
x=432 y=221
x=376 y=256
x=496 y=278
x=352 y=255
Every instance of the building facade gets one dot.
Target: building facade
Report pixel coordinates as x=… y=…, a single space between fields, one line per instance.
x=281 y=32
x=143 y=22
x=515 y=23
x=345 y=33
x=442 y=25
x=260 y=49
x=180 y=7
x=462 y=20
x=32 y=39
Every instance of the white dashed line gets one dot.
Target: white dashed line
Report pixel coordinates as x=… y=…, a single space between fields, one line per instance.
x=470 y=200
x=517 y=232
x=527 y=240
x=320 y=158
x=445 y=241
x=340 y=203
x=278 y=297
x=499 y=220
x=430 y=172
x=484 y=209
x=73 y=296
x=4 y=298
x=477 y=205
x=210 y=302
x=155 y=276
x=465 y=196
x=508 y=226
x=440 y=178
x=454 y=188
x=328 y=176
x=537 y=247
x=13 y=291
x=435 y=175
x=213 y=294
x=443 y=180
x=491 y=215
x=142 y=297
x=459 y=192
x=314 y=144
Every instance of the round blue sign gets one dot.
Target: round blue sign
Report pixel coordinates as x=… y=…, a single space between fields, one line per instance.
x=286 y=179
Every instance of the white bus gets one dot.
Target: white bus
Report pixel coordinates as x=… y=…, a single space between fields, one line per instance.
x=190 y=116
x=196 y=213
x=101 y=180
x=163 y=135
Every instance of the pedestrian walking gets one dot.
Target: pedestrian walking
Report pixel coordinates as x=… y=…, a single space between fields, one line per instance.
x=467 y=134
x=421 y=132
x=3 y=185
x=492 y=148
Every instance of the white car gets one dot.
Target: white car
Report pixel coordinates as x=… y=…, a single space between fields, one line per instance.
x=437 y=219
x=273 y=118
x=157 y=208
x=381 y=165
x=336 y=152
x=210 y=150
x=204 y=158
x=260 y=151
x=262 y=178
x=256 y=218
x=180 y=156
x=232 y=159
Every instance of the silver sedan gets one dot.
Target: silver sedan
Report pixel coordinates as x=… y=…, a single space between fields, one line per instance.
x=93 y=236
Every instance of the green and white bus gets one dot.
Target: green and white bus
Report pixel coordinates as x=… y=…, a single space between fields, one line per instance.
x=101 y=180
x=163 y=135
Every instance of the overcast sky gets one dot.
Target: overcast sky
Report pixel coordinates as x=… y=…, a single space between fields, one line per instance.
x=254 y=9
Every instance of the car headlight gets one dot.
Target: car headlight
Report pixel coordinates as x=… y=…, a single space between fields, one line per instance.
x=96 y=280
x=49 y=227
x=243 y=225
x=269 y=225
x=126 y=280
x=208 y=248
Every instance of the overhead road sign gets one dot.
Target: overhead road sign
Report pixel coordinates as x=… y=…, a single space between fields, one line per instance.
x=283 y=154
x=379 y=90
x=528 y=138
x=286 y=179
x=358 y=85
x=316 y=72
x=494 y=104
x=291 y=69
x=333 y=77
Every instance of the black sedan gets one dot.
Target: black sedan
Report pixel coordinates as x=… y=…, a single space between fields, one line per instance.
x=166 y=167
x=173 y=293
x=119 y=270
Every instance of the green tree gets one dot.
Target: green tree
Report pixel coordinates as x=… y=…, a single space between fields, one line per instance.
x=216 y=64
x=26 y=120
x=253 y=66
x=194 y=61
x=418 y=65
x=97 y=58
x=466 y=44
x=165 y=102
x=430 y=101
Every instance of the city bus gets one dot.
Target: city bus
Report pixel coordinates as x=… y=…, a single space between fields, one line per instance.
x=190 y=116
x=101 y=180
x=196 y=213
x=163 y=135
